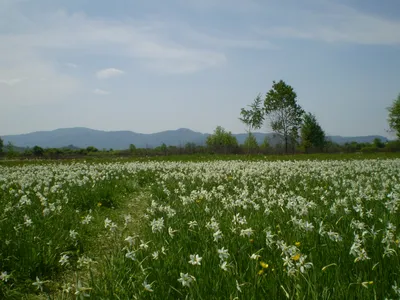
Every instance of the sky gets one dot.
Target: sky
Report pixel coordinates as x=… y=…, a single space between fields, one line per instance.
x=155 y=65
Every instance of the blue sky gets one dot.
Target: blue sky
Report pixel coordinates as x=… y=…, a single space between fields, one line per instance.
x=154 y=65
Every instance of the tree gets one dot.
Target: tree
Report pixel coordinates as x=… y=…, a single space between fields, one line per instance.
x=11 y=150
x=312 y=135
x=37 y=151
x=221 y=140
x=378 y=143
x=251 y=143
x=163 y=148
x=252 y=117
x=1 y=145
x=91 y=149
x=265 y=146
x=132 y=148
x=284 y=113
x=394 y=116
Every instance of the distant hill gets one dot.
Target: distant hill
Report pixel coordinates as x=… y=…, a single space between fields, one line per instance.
x=83 y=137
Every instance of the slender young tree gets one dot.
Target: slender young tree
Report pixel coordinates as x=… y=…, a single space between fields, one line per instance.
x=284 y=113
x=253 y=118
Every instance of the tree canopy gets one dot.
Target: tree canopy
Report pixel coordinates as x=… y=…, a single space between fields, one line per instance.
x=221 y=140
x=284 y=113
x=394 y=116
x=312 y=135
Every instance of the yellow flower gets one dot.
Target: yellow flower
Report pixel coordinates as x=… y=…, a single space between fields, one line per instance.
x=263 y=265
x=296 y=257
x=99 y=204
x=371 y=282
x=297 y=244
x=261 y=272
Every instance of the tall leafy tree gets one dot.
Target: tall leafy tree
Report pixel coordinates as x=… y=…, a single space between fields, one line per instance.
x=253 y=118
x=283 y=111
x=312 y=135
x=1 y=145
x=221 y=140
x=394 y=116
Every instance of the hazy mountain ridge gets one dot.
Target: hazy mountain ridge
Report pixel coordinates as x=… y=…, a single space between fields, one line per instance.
x=83 y=137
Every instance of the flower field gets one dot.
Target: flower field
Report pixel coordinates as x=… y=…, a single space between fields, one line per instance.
x=201 y=230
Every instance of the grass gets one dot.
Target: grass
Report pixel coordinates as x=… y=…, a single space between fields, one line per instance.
x=311 y=228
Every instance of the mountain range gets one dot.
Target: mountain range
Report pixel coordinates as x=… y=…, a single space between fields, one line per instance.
x=83 y=137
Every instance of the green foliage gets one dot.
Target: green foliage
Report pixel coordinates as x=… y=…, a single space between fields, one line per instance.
x=369 y=149
x=1 y=145
x=284 y=113
x=132 y=148
x=164 y=148
x=37 y=151
x=394 y=116
x=265 y=146
x=10 y=149
x=312 y=134
x=393 y=146
x=254 y=116
x=221 y=140
x=378 y=143
x=91 y=149
x=250 y=143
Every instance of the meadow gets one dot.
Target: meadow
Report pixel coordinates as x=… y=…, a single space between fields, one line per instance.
x=210 y=229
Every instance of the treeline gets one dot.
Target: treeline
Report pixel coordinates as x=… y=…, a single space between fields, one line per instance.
x=296 y=130
x=220 y=142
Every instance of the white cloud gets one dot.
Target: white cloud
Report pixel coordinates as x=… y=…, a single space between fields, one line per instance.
x=11 y=82
x=107 y=73
x=100 y=92
x=41 y=84
x=71 y=65
x=333 y=23
x=149 y=41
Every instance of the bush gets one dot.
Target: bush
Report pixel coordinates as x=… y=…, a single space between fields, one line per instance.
x=369 y=149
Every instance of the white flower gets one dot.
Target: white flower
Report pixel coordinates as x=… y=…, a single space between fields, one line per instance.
x=130 y=255
x=130 y=240
x=73 y=234
x=246 y=232
x=217 y=235
x=255 y=256
x=171 y=232
x=87 y=220
x=143 y=245
x=107 y=223
x=28 y=222
x=64 y=259
x=39 y=284
x=192 y=224
x=223 y=253
x=147 y=286
x=186 y=279
x=157 y=225
x=224 y=265
x=155 y=255
x=195 y=259
x=4 y=276
x=238 y=286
